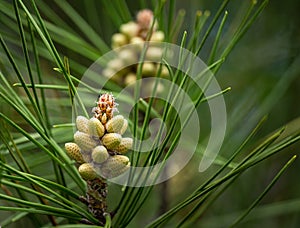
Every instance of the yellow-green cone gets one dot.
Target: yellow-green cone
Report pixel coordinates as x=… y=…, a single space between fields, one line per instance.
x=104 y=118
x=115 y=166
x=130 y=29
x=115 y=124
x=118 y=40
x=148 y=69
x=111 y=140
x=130 y=78
x=125 y=145
x=164 y=71
x=82 y=124
x=100 y=154
x=124 y=127
x=73 y=152
x=154 y=54
x=157 y=36
x=84 y=141
x=87 y=172
x=95 y=127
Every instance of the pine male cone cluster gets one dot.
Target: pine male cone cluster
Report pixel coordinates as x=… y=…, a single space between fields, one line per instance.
x=99 y=147
x=128 y=44
x=99 y=150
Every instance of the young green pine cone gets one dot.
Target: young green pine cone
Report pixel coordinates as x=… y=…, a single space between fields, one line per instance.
x=130 y=29
x=84 y=141
x=154 y=54
x=115 y=124
x=95 y=127
x=118 y=40
x=104 y=118
x=87 y=172
x=148 y=69
x=111 y=140
x=125 y=145
x=116 y=64
x=157 y=36
x=100 y=154
x=164 y=71
x=137 y=42
x=115 y=166
x=124 y=127
x=128 y=56
x=82 y=124
x=130 y=78
x=73 y=152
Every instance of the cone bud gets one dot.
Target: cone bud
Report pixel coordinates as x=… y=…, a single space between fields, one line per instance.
x=154 y=54
x=125 y=145
x=111 y=140
x=137 y=42
x=95 y=127
x=87 y=172
x=84 y=141
x=82 y=124
x=148 y=69
x=115 y=124
x=130 y=29
x=110 y=73
x=164 y=71
x=130 y=78
x=124 y=127
x=157 y=36
x=73 y=152
x=104 y=118
x=115 y=64
x=128 y=56
x=100 y=154
x=115 y=166
x=118 y=40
